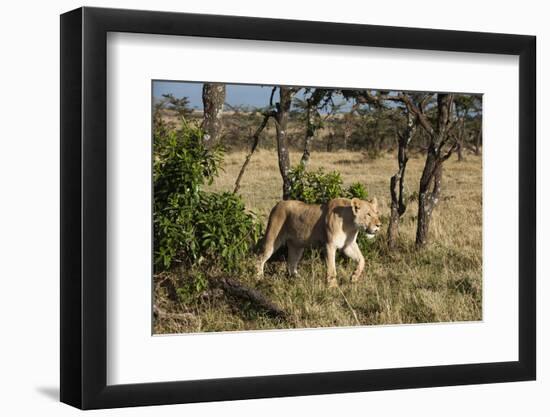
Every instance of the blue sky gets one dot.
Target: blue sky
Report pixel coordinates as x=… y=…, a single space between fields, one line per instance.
x=236 y=94
x=246 y=95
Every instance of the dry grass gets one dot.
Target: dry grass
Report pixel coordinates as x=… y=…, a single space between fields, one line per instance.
x=439 y=284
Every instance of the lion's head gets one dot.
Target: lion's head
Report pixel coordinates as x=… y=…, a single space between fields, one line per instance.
x=366 y=216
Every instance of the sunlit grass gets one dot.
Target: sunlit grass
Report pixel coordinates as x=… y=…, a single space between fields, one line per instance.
x=439 y=284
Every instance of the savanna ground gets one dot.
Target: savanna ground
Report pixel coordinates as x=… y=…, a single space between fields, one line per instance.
x=441 y=283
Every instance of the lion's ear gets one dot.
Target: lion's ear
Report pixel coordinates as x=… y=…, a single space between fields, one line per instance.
x=374 y=203
x=355 y=205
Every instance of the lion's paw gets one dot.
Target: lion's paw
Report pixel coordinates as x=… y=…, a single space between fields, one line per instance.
x=332 y=282
x=355 y=278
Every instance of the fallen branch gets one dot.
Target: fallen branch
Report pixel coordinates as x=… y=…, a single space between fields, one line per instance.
x=241 y=291
x=159 y=313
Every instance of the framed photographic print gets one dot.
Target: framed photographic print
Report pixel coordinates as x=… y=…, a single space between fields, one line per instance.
x=255 y=208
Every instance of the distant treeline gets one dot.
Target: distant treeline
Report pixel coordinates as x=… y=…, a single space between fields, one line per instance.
x=370 y=127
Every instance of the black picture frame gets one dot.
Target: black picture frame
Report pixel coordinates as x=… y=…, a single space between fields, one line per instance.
x=84 y=207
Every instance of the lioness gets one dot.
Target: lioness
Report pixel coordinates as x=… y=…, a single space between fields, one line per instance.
x=334 y=225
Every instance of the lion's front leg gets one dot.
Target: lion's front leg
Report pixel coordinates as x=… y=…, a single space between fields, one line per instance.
x=353 y=252
x=331 y=265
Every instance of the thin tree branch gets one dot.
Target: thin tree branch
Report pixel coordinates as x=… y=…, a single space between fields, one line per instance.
x=271 y=96
x=255 y=141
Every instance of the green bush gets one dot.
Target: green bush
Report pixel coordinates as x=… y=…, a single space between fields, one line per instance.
x=319 y=187
x=192 y=287
x=182 y=164
x=357 y=190
x=225 y=230
x=190 y=225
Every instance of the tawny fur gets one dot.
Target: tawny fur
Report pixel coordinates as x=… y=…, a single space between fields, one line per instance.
x=334 y=226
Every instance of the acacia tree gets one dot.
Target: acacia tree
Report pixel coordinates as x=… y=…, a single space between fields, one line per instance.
x=430 y=181
x=460 y=136
x=213 y=98
x=374 y=101
x=462 y=106
x=282 y=109
x=477 y=142
x=468 y=127
x=397 y=181
x=313 y=118
x=348 y=125
x=439 y=134
x=180 y=106
x=279 y=112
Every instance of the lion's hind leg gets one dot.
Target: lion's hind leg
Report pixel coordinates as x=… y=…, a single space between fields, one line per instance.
x=294 y=255
x=274 y=239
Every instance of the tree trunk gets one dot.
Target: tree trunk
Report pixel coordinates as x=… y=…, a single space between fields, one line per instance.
x=213 y=98
x=398 y=205
x=459 y=151
x=433 y=169
x=393 y=225
x=347 y=134
x=310 y=132
x=428 y=198
x=281 y=117
x=478 y=141
x=460 y=139
x=330 y=140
